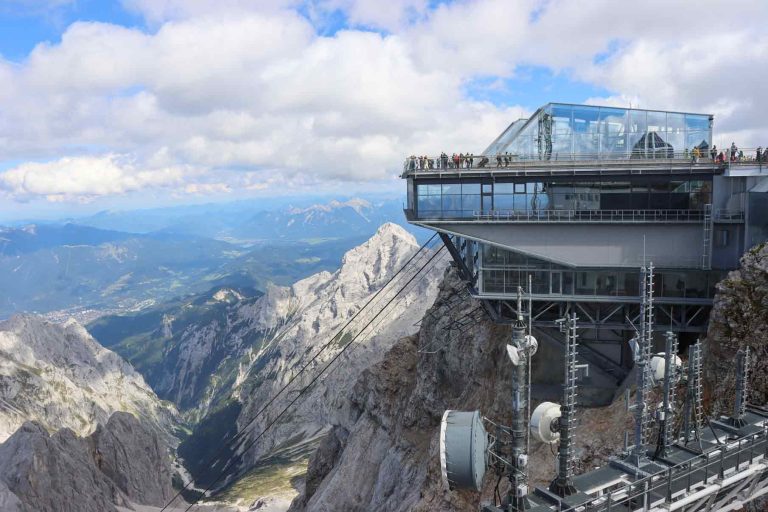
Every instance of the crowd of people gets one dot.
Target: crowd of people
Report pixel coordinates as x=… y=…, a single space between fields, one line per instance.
x=456 y=161
x=731 y=154
x=468 y=160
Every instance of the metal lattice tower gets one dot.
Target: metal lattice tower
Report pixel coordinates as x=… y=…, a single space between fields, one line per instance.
x=693 y=421
x=562 y=485
x=518 y=476
x=666 y=415
x=643 y=360
x=742 y=381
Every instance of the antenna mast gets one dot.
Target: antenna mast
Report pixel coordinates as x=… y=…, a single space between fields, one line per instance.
x=518 y=474
x=666 y=414
x=562 y=485
x=693 y=420
x=642 y=361
x=742 y=382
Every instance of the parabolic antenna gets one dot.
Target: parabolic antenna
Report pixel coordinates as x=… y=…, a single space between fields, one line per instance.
x=544 y=422
x=514 y=354
x=659 y=364
x=463 y=450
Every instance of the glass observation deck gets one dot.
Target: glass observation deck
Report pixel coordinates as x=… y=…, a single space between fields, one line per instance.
x=594 y=132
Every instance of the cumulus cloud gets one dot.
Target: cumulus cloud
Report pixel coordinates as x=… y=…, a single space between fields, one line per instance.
x=252 y=97
x=84 y=178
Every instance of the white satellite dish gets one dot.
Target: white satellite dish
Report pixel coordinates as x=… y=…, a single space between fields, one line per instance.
x=533 y=343
x=659 y=364
x=463 y=450
x=543 y=421
x=514 y=354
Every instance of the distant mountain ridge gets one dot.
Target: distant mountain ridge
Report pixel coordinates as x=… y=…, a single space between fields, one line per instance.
x=259 y=220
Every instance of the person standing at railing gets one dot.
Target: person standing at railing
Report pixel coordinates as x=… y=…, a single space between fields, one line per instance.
x=498 y=160
x=713 y=152
x=471 y=160
x=734 y=151
x=759 y=157
x=696 y=155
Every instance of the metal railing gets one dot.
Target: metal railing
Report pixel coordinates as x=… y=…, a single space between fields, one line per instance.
x=470 y=162
x=676 y=482
x=729 y=215
x=619 y=216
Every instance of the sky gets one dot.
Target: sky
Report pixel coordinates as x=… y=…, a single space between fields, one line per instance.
x=117 y=104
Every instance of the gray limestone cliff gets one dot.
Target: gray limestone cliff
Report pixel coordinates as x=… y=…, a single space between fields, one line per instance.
x=739 y=318
x=384 y=454
x=121 y=463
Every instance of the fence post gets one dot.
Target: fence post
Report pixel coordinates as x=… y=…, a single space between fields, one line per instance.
x=721 y=473
x=669 y=485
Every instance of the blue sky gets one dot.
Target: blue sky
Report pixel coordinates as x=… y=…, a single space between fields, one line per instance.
x=133 y=103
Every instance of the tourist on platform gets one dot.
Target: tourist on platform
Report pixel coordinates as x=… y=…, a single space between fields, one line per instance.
x=443 y=160
x=713 y=153
x=498 y=160
x=696 y=155
x=483 y=162
x=720 y=158
x=506 y=159
x=734 y=151
x=455 y=161
x=471 y=160
x=759 y=157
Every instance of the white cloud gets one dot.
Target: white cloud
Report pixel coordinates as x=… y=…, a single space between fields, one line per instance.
x=84 y=178
x=252 y=98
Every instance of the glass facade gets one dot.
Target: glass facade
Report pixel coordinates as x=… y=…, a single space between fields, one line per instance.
x=468 y=198
x=503 y=271
x=561 y=131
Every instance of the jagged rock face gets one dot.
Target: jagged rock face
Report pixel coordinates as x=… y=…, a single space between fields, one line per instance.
x=120 y=463
x=307 y=315
x=384 y=454
x=59 y=376
x=739 y=318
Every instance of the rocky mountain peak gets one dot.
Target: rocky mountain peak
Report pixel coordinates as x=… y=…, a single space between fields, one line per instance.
x=59 y=375
x=378 y=258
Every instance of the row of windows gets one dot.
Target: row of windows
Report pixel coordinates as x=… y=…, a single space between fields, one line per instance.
x=607 y=187
x=691 y=284
x=449 y=200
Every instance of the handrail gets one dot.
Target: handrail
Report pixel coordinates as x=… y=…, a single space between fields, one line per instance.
x=593 y=215
x=745 y=157
x=682 y=471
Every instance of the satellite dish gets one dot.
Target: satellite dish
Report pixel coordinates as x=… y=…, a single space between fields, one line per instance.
x=463 y=450
x=533 y=343
x=514 y=354
x=544 y=422
x=659 y=364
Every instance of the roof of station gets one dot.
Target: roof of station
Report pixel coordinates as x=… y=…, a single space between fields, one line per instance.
x=566 y=128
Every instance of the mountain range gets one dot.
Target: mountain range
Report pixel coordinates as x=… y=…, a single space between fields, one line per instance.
x=221 y=356
x=107 y=263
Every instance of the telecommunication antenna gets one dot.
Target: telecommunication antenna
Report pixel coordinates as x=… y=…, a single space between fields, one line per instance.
x=637 y=455
x=742 y=384
x=693 y=413
x=562 y=485
x=519 y=351
x=666 y=415
x=465 y=448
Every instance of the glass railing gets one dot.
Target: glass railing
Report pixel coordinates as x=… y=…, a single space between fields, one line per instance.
x=620 y=216
x=743 y=157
